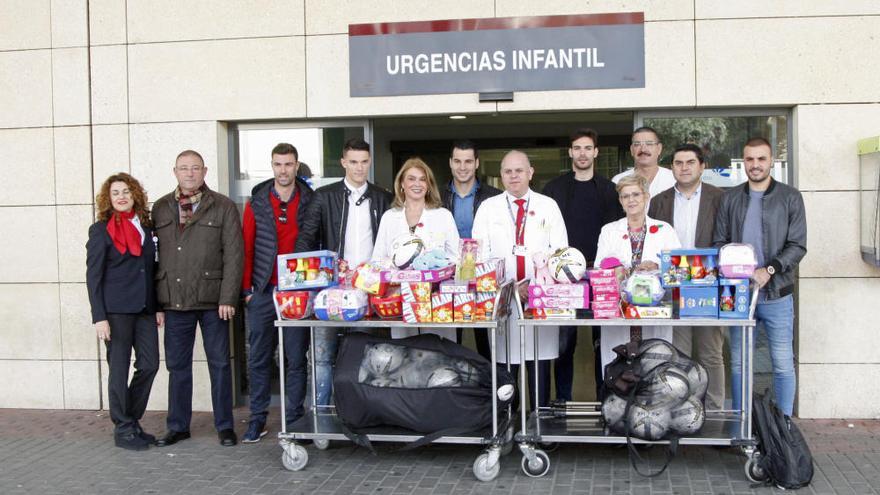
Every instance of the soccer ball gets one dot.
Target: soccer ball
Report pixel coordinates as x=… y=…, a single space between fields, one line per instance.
x=667 y=387
x=406 y=249
x=654 y=352
x=688 y=417
x=567 y=265
x=383 y=359
x=613 y=409
x=444 y=377
x=648 y=423
x=699 y=380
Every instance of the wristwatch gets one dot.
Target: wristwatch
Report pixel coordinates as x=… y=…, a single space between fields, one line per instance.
x=771 y=270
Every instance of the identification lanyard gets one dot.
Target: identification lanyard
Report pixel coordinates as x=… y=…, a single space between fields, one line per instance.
x=519 y=234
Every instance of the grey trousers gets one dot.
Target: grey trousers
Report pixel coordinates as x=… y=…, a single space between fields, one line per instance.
x=705 y=344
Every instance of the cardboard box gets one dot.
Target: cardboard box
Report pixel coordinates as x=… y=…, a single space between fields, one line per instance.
x=401 y=276
x=605 y=306
x=701 y=267
x=600 y=273
x=308 y=270
x=442 y=308
x=454 y=287
x=490 y=275
x=417 y=312
x=606 y=296
x=580 y=289
x=582 y=302
x=416 y=292
x=553 y=314
x=647 y=312
x=742 y=298
x=606 y=314
x=485 y=306
x=700 y=302
x=464 y=307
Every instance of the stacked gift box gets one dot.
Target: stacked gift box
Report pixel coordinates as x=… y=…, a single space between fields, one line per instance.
x=605 y=290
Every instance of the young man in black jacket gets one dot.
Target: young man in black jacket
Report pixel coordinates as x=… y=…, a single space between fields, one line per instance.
x=462 y=197
x=587 y=201
x=343 y=217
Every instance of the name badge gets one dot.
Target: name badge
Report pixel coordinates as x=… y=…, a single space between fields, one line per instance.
x=519 y=250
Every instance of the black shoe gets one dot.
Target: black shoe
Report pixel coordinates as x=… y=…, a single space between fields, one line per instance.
x=172 y=437
x=150 y=439
x=227 y=437
x=131 y=441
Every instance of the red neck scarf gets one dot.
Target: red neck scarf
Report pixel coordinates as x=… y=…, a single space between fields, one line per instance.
x=124 y=234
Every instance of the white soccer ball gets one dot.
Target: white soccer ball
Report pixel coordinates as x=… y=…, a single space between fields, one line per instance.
x=699 y=380
x=688 y=417
x=383 y=359
x=613 y=410
x=648 y=424
x=567 y=265
x=405 y=250
x=667 y=387
x=444 y=377
x=654 y=352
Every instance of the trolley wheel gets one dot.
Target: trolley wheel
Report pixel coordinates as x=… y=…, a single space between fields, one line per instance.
x=754 y=472
x=483 y=471
x=322 y=443
x=295 y=457
x=550 y=446
x=539 y=467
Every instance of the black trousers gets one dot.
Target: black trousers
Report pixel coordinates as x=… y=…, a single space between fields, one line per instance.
x=128 y=401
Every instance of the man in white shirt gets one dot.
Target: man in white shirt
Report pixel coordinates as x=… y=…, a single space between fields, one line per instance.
x=342 y=217
x=646 y=149
x=514 y=226
x=691 y=206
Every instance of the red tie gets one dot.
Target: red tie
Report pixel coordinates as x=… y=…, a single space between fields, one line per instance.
x=520 y=234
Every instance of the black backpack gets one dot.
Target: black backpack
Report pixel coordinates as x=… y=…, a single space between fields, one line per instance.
x=462 y=405
x=785 y=456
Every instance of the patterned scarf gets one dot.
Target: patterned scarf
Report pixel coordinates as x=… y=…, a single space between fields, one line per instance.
x=186 y=203
x=124 y=234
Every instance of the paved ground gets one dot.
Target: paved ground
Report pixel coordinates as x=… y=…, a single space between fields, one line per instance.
x=71 y=452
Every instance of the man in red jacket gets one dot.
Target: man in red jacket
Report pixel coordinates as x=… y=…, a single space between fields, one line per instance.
x=271 y=225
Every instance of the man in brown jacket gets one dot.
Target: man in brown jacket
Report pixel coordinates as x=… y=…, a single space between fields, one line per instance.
x=198 y=282
x=691 y=206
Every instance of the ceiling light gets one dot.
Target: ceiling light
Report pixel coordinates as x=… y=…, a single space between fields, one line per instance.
x=457 y=117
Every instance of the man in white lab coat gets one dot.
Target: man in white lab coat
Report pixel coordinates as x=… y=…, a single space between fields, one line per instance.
x=514 y=226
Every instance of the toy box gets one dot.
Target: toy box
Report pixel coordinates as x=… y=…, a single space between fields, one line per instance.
x=469 y=253
x=735 y=298
x=417 y=312
x=580 y=289
x=606 y=314
x=633 y=311
x=489 y=275
x=605 y=306
x=368 y=278
x=401 y=276
x=600 y=273
x=308 y=270
x=610 y=296
x=388 y=306
x=416 y=292
x=737 y=260
x=485 y=306
x=553 y=314
x=698 y=302
x=453 y=287
x=684 y=267
x=341 y=304
x=464 y=306
x=582 y=302
x=442 y=308
x=293 y=305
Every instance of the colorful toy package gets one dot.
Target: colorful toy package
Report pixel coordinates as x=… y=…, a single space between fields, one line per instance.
x=388 y=306
x=368 y=278
x=442 y=308
x=309 y=270
x=735 y=298
x=463 y=307
x=341 y=304
x=293 y=305
x=737 y=260
x=416 y=292
x=485 y=306
x=683 y=267
x=417 y=312
x=469 y=253
x=698 y=302
x=490 y=275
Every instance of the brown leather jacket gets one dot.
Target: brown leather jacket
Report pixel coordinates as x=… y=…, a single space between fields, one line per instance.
x=199 y=268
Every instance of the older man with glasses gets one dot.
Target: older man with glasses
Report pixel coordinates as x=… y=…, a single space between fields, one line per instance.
x=646 y=149
x=271 y=225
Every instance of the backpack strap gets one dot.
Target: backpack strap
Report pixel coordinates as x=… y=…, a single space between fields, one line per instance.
x=634 y=458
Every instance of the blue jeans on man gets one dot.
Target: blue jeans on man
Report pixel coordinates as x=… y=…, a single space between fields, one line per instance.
x=180 y=337
x=326 y=347
x=262 y=342
x=778 y=319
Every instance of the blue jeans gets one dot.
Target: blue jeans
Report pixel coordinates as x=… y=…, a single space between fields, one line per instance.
x=180 y=336
x=262 y=341
x=326 y=346
x=778 y=319
x=563 y=366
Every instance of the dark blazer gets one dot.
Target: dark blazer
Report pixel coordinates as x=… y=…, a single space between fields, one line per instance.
x=119 y=283
x=663 y=208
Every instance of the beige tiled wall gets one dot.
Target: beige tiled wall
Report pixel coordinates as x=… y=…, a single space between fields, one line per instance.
x=92 y=87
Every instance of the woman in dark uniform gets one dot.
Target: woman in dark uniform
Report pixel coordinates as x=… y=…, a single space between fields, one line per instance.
x=120 y=261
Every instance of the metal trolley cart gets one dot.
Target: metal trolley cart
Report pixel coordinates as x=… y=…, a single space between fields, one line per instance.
x=581 y=422
x=321 y=424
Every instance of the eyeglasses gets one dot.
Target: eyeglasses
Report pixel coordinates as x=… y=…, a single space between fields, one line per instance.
x=283 y=216
x=639 y=144
x=627 y=197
